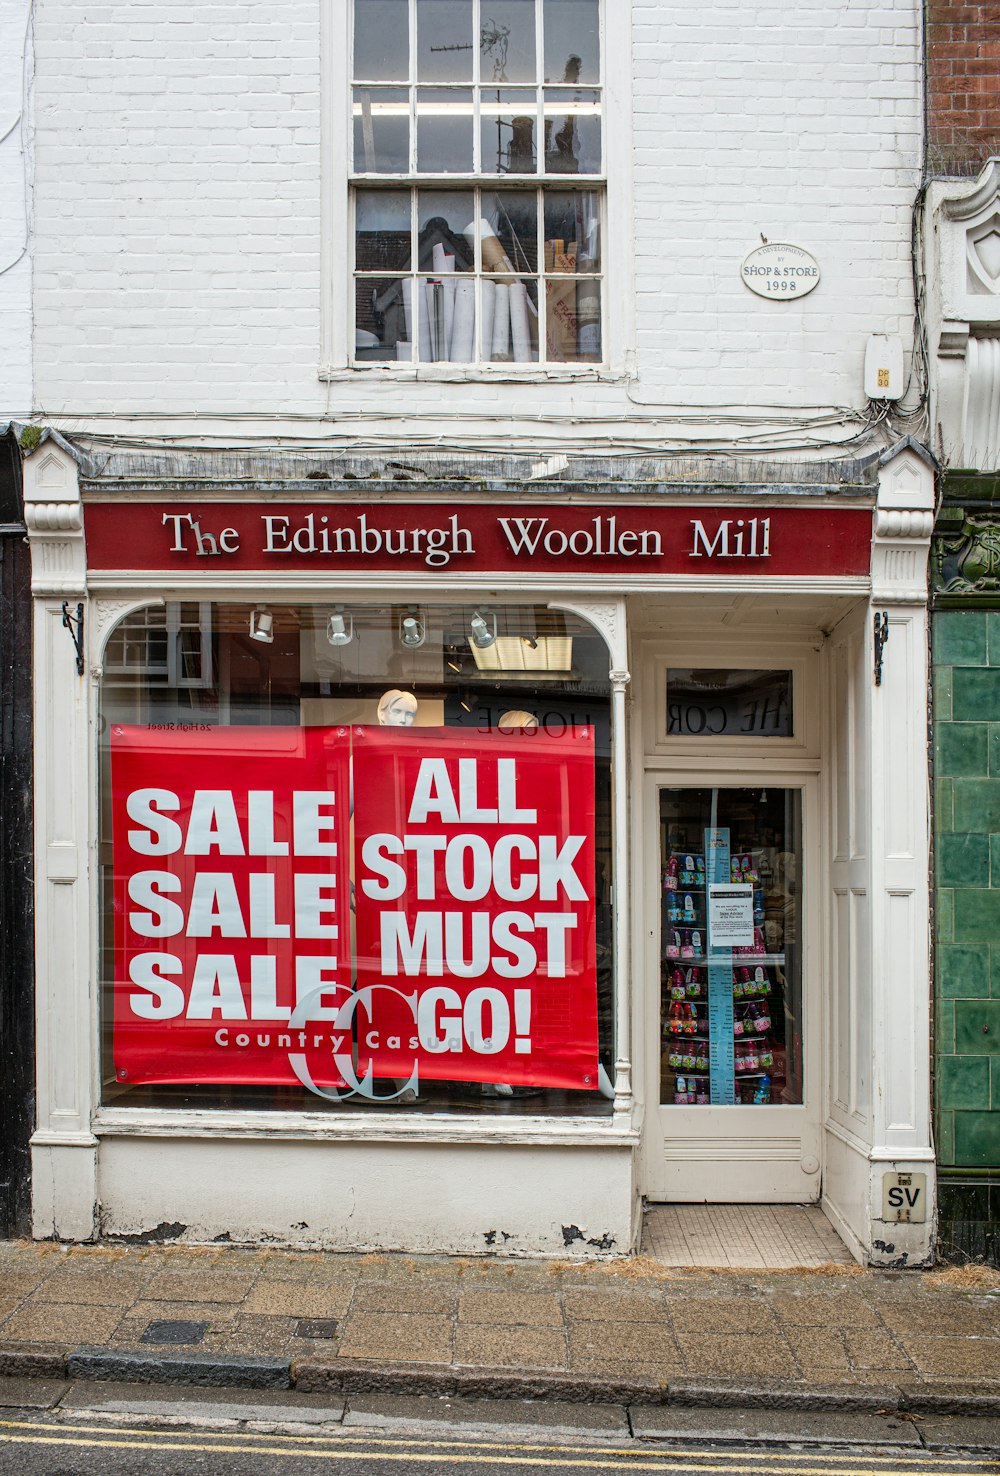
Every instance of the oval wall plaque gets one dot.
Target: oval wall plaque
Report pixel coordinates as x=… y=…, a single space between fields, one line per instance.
x=780 y=271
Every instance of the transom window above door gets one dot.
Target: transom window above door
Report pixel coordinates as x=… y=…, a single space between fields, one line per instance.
x=478 y=182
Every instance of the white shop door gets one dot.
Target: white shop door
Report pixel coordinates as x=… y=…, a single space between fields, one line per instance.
x=732 y=1019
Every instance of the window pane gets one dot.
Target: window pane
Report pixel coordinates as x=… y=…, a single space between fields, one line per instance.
x=572 y=218
x=572 y=131
x=381 y=131
x=573 y=320
x=444 y=131
x=382 y=318
x=381 y=40
x=446 y=232
x=717 y=703
x=447 y=305
x=382 y=231
x=444 y=41
x=507 y=41
x=512 y=215
x=508 y=126
x=572 y=40
x=731 y=972
x=510 y=321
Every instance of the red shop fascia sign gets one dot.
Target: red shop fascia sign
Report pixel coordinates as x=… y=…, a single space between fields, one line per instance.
x=638 y=540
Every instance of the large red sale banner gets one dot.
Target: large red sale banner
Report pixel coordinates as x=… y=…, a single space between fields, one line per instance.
x=469 y=881
x=475 y=906
x=231 y=897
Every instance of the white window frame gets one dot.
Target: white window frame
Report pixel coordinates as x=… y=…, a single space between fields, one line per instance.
x=337 y=208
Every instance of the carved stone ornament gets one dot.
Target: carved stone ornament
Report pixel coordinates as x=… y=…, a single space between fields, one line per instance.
x=963 y=317
x=967 y=562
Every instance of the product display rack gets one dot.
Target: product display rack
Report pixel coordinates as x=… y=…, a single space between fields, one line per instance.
x=723 y=1007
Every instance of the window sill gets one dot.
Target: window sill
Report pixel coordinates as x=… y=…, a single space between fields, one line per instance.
x=386 y=1127
x=471 y=374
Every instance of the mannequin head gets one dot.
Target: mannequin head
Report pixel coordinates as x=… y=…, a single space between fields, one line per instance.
x=397 y=709
x=508 y=722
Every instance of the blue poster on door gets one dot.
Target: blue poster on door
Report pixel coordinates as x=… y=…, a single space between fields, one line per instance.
x=721 y=1043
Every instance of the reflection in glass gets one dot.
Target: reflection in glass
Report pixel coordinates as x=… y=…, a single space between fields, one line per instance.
x=381 y=131
x=572 y=231
x=510 y=320
x=444 y=130
x=572 y=131
x=507 y=41
x=573 y=319
x=508 y=119
x=381 y=40
x=446 y=235
x=513 y=217
x=572 y=40
x=381 y=323
x=713 y=703
x=730 y=972
x=444 y=41
x=382 y=230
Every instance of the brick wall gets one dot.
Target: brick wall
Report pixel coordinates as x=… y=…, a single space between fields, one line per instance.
x=963 y=85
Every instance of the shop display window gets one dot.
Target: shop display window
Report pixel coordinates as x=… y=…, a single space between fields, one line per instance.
x=356 y=857
x=730 y=953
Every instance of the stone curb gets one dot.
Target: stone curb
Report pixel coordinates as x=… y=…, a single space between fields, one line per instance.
x=315 y=1375
x=345 y=1376
x=241 y=1371
x=33 y=1361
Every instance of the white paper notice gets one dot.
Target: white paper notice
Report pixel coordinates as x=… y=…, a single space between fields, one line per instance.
x=730 y=915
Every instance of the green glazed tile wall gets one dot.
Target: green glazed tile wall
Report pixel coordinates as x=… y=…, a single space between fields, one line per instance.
x=966 y=655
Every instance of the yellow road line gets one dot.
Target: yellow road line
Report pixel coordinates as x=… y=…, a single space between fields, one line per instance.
x=901 y=1455
x=311 y=1452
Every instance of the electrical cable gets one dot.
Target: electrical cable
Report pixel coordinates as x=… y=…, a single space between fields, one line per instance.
x=19 y=122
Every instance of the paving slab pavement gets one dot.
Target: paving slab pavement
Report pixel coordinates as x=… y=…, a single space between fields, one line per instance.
x=619 y=1329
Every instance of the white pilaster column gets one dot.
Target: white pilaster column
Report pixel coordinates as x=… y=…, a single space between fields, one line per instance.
x=900 y=850
x=64 y=1149
x=608 y=617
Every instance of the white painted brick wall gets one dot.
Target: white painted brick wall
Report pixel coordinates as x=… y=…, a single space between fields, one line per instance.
x=15 y=263
x=179 y=227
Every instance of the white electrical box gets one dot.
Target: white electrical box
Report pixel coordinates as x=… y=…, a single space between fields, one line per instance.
x=883 y=367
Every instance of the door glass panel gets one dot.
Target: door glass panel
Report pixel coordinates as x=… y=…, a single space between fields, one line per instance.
x=730 y=946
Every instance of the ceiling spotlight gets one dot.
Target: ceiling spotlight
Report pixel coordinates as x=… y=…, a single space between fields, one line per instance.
x=340 y=627
x=412 y=629
x=262 y=626
x=483 y=629
x=530 y=642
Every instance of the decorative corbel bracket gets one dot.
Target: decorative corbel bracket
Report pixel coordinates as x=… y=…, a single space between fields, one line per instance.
x=53 y=514
x=903 y=522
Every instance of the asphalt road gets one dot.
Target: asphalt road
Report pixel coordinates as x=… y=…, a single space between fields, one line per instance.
x=38 y=1444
